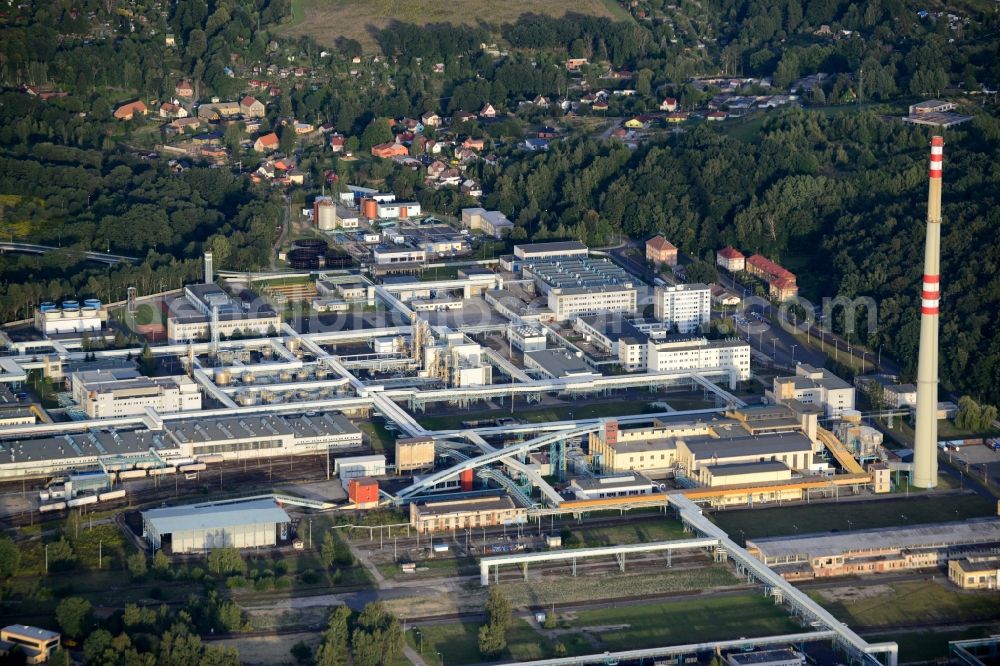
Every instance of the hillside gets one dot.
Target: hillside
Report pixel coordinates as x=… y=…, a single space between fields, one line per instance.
x=327 y=20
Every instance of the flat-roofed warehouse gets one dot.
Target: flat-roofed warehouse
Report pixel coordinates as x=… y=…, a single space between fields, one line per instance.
x=466 y=513
x=889 y=549
x=196 y=528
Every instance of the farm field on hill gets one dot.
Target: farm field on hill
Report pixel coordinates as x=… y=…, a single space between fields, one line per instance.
x=326 y=20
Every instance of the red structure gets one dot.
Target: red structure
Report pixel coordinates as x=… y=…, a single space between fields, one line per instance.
x=466 y=479
x=363 y=491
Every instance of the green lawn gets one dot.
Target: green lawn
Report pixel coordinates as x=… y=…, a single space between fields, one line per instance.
x=382 y=440
x=657 y=529
x=440 y=273
x=928 y=644
x=835 y=516
x=544 y=414
x=896 y=604
x=438 y=568
x=685 y=621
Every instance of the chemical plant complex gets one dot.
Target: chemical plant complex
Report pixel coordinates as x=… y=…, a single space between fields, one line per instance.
x=552 y=386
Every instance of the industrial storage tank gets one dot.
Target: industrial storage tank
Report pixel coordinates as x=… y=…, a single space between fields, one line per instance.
x=317 y=244
x=302 y=375
x=246 y=398
x=293 y=345
x=322 y=373
x=223 y=377
x=47 y=306
x=71 y=305
x=248 y=377
x=369 y=208
x=325 y=212
x=285 y=376
x=304 y=259
x=92 y=303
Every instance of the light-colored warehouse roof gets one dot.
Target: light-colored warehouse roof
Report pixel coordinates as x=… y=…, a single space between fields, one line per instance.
x=707 y=448
x=214 y=516
x=936 y=535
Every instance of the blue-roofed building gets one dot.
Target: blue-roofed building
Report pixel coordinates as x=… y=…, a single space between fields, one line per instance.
x=201 y=527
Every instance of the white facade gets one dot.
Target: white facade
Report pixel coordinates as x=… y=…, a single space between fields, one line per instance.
x=815 y=386
x=399 y=255
x=526 y=339
x=396 y=209
x=576 y=301
x=619 y=485
x=71 y=319
x=131 y=397
x=358 y=466
x=686 y=306
x=691 y=354
x=491 y=222
x=552 y=250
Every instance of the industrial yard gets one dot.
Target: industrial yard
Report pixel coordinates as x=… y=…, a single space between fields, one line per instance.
x=420 y=435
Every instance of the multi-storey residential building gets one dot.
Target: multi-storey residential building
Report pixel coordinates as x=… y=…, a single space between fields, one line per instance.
x=661 y=251
x=686 y=306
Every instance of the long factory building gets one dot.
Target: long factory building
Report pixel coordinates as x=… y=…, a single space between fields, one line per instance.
x=232 y=437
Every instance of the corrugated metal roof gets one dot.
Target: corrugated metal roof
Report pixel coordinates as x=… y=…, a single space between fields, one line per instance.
x=216 y=516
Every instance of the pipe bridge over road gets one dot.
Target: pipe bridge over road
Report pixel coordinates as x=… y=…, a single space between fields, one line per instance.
x=498 y=455
x=488 y=564
x=800 y=603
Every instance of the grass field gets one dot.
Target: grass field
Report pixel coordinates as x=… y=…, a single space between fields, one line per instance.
x=326 y=20
x=657 y=529
x=635 y=627
x=868 y=515
x=685 y=621
x=896 y=604
x=929 y=644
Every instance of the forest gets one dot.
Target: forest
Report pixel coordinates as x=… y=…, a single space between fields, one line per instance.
x=841 y=200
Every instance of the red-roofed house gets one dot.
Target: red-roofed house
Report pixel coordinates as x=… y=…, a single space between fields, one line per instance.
x=781 y=281
x=251 y=107
x=337 y=143
x=661 y=251
x=170 y=110
x=668 y=104
x=389 y=150
x=184 y=89
x=731 y=259
x=266 y=143
x=716 y=116
x=128 y=111
x=488 y=111
x=473 y=144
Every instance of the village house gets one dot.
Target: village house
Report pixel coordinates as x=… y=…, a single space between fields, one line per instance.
x=184 y=89
x=267 y=143
x=337 y=143
x=668 y=104
x=430 y=119
x=488 y=111
x=473 y=144
x=169 y=110
x=463 y=116
x=250 y=107
x=661 y=251
x=128 y=111
x=389 y=150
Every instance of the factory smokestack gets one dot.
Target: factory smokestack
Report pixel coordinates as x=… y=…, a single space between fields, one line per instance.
x=925 y=474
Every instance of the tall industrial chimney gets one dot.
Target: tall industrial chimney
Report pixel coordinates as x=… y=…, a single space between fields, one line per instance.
x=209 y=272
x=925 y=473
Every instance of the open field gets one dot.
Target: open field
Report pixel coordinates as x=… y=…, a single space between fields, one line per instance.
x=911 y=602
x=926 y=644
x=326 y=20
x=684 y=621
x=614 y=628
x=846 y=516
x=657 y=529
